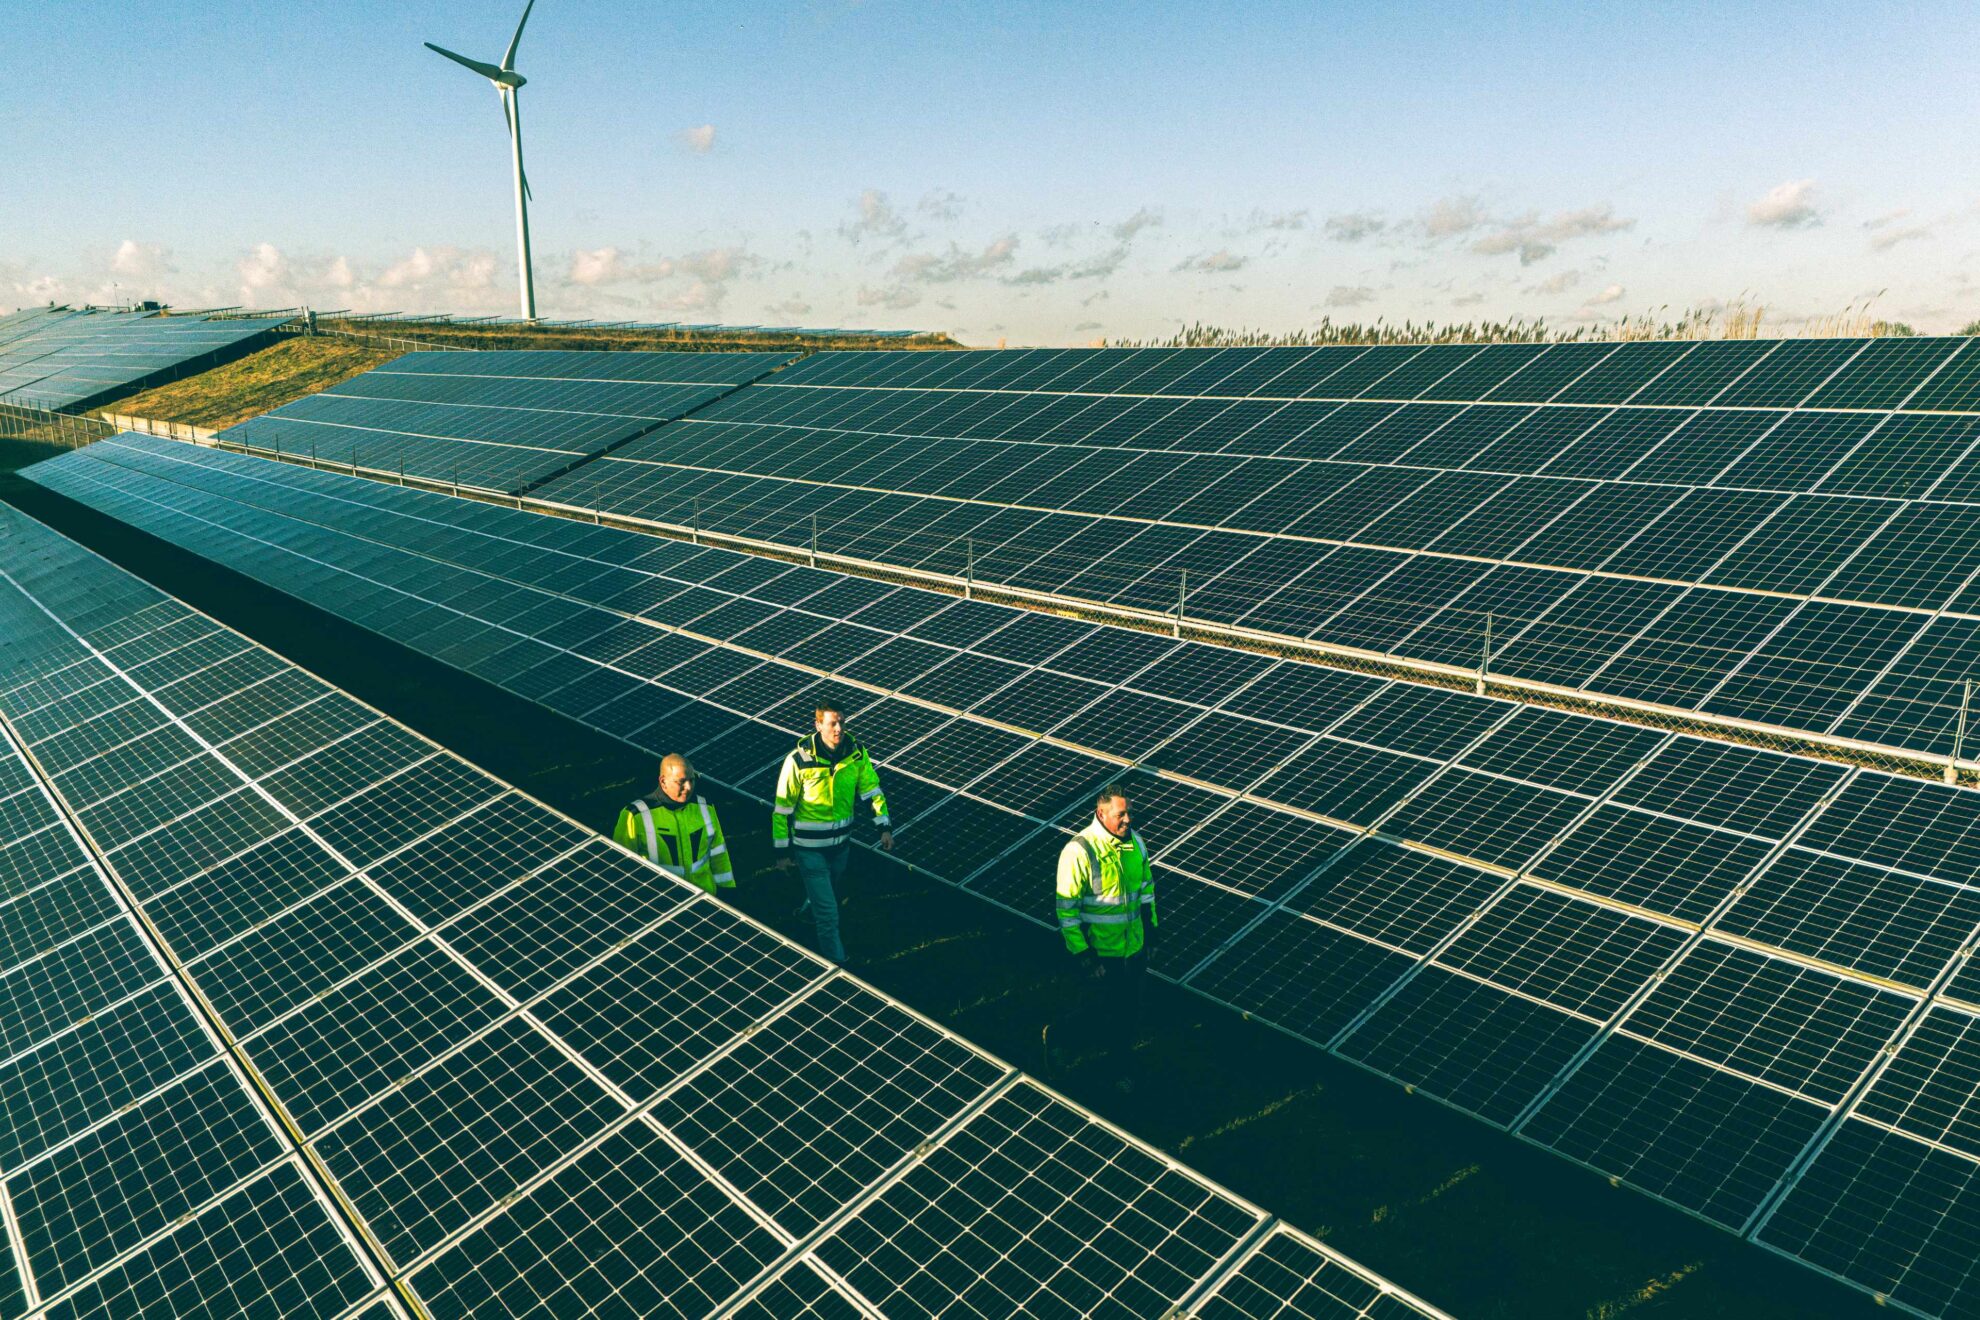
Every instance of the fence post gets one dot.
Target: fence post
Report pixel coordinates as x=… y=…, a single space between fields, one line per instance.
x=1959 y=731
x=814 y=540
x=1182 y=598
x=969 y=568
x=694 y=533
x=1484 y=659
x=312 y=453
x=402 y=467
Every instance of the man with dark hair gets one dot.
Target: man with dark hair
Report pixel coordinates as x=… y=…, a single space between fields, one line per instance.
x=674 y=828
x=1106 y=906
x=811 y=822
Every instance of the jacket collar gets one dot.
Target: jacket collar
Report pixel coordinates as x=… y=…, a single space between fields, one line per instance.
x=810 y=746
x=1104 y=838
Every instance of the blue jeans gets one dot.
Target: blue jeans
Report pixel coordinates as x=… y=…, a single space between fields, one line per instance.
x=821 y=869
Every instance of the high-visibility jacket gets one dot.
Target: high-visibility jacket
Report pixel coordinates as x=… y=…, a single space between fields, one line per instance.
x=1106 y=892
x=816 y=792
x=684 y=841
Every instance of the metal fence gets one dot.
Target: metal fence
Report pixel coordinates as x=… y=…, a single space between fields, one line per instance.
x=48 y=426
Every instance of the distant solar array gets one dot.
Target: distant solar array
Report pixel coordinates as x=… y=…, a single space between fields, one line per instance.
x=815 y=332
x=1780 y=531
x=497 y=421
x=1733 y=979
x=540 y=1077
x=56 y=358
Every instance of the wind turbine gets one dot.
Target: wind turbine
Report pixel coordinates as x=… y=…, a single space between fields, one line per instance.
x=507 y=83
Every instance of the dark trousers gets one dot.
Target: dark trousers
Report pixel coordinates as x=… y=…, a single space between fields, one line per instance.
x=1107 y=1017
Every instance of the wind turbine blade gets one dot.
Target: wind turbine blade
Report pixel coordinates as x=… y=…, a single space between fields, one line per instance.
x=509 y=55
x=485 y=70
x=509 y=117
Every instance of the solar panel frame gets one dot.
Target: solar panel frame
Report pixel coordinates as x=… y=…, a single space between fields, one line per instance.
x=1709 y=786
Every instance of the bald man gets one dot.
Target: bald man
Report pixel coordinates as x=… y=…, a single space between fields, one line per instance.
x=674 y=828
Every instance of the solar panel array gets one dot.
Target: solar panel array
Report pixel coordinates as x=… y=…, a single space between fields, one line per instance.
x=1778 y=531
x=497 y=1062
x=499 y=421
x=60 y=359
x=1731 y=978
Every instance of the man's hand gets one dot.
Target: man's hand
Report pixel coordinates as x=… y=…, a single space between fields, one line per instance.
x=886 y=841
x=786 y=862
x=1094 y=964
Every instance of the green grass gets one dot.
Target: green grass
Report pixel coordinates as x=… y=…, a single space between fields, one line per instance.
x=287 y=370
x=1469 y=1218
x=455 y=335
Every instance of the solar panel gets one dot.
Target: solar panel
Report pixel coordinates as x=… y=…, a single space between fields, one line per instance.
x=501 y=420
x=532 y=1074
x=58 y=359
x=1706 y=509
x=1490 y=902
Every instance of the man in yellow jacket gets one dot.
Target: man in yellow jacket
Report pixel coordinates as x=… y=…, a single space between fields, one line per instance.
x=811 y=821
x=677 y=830
x=1106 y=909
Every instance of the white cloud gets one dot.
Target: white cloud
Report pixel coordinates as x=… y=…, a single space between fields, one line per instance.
x=1532 y=238
x=699 y=140
x=1453 y=215
x=443 y=267
x=895 y=296
x=1353 y=226
x=1890 y=238
x=141 y=261
x=1085 y=326
x=1560 y=283
x=604 y=265
x=693 y=281
x=956 y=264
x=264 y=268
x=940 y=204
x=1350 y=295
x=1221 y=262
x=1259 y=222
x=875 y=218
x=338 y=274
x=1888 y=230
x=1145 y=218
x=791 y=306
x=1786 y=206
x=1468 y=299
x=1608 y=294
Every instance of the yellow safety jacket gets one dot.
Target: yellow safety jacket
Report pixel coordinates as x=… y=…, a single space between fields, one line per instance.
x=1106 y=892
x=684 y=841
x=816 y=793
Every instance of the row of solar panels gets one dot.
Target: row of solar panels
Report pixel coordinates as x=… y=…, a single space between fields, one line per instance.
x=497 y=421
x=1816 y=569
x=55 y=358
x=1733 y=979
x=1933 y=374
x=337 y=1014
x=817 y=332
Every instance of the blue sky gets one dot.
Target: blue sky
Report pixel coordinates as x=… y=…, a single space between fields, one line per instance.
x=1035 y=173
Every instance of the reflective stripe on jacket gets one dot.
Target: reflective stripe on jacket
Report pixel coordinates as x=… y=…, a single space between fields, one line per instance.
x=816 y=794
x=685 y=841
x=1106 y=891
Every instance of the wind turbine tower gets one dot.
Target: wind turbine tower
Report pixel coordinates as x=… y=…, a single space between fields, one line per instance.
x=507 y=84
